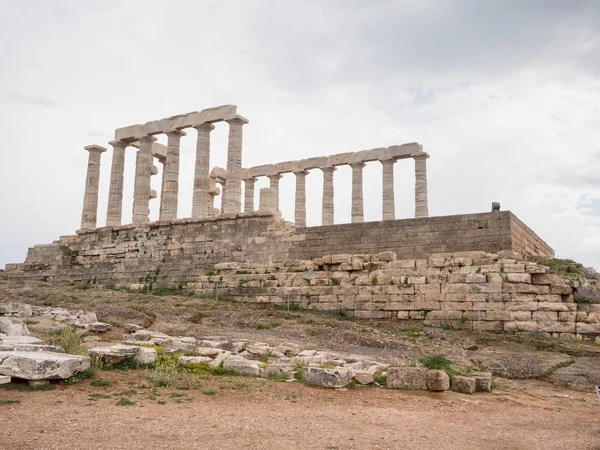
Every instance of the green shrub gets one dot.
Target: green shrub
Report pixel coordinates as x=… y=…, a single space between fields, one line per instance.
x=125 y=402
x=100 y=383
x=67 y=338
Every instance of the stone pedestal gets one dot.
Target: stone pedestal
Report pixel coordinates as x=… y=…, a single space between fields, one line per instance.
x=200 y=199
x=421 y=202
x=89 y=215
x=232 y=194
x=141 y=188
x=358 y=215
x=300 y=205
x=388 y=201
x=170 y=187
x=274 y=184
x=328 y=210
x=115 y=193
x=249 y=194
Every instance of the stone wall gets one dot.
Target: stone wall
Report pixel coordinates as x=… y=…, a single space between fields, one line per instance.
x=417 y=238
x=470 y=290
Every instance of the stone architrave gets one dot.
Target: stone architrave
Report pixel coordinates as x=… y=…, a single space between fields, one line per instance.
x=115 y=193
x=358 y=215
x=249 y=194
x=232 y=195
x=388 y=201
x=89 y=216
x=300 y=205
x=200 y=199
x=274 y=184
x=142 y=187
x=328 y=210
x=421 y=203
x=169 y=199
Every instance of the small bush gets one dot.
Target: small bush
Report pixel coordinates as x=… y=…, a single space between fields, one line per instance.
x=209 y=392
x=438 y=362
x=125 y=402
x=100 y=383
x=334 y=281
x=67 y=338
x=267 y=326
x=9 y=402
x=79 y=376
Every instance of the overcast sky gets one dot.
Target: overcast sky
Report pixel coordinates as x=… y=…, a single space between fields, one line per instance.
x=503 y=94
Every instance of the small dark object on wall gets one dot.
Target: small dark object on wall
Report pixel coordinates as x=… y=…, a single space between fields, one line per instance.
x=495 y=206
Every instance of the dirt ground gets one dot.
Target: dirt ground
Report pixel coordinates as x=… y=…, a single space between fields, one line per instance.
x=523 y=412
x=238 y=412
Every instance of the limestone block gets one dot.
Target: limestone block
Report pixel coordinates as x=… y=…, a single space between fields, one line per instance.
x=114 y=353
x=523 y=288
x=98 y=327
x=388 y=256
x=11 y=326
x=545 y=316
x=4 y=379
x=438 y=380
x=242 y=366
x=464 y=385
x=546 y=278
x=331 y=378
x=567 y=316
x=413 y=378
x=483 y=381
x=535 y=268
x=509 y=254
x=189 y=360
x=487 y=288
x=502 y=315
x=146 y=355
x=513 y=268
x=41 y=365
x=520 y=326
x=436 y=262
x=519 y=316
x=476 y=278
x=547 y=306
x=518 y=278
x=561 y=289
x=556 y=327
x=491 y=268
x=588 y=328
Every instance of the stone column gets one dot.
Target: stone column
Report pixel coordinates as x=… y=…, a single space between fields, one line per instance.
x=200 y=198
x=222 y=206
x=89 y=215
x=328 y=204
x=232 y=194
x=421 y=204
x=169 y=198
x=115 y=192
x=300 y=206
x=141 y=188
x=274 y=184
x=388 y=202
x=267 y=200
x=249 y=194
x=358 y=214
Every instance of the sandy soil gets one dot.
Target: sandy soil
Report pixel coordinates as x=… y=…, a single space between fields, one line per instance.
x=236 y=412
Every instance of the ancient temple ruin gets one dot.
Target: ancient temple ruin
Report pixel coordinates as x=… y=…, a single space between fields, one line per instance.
x=206 y=181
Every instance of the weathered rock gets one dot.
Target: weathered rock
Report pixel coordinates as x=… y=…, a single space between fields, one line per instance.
x=131 y=328
x=146 y=355
x=283 y=371
x=483 y=381
x=187 y=360
x=364 y=376
x=98 y=327
x=13 y=327
x=519 y=365
x=242 y=366
x=4 y=379
x=582 y=375
x=88 y=317
x=438 y=380
x=115 y=353
x=41 y=365
x=208 y=351
x=413 y=378
x=14 y=340
x=30 y=348
x=140 y=335
x=463 y=385
x=331 y=378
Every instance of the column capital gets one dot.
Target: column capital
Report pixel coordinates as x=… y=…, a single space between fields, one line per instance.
x=237 y=120
x=119 y=144
x=357 y=165
x=421 y=156
x=249 y=180
x=205 y=127
x=175 y=132
x=275 y=176
x=390 y=161
x=147 y=139
x=94 y=148
x=328 y=169
x=301 y=172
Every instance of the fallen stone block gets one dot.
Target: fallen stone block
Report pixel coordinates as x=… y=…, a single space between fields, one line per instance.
x=188 y=360
x=13 y=327
x=4 y=379
x=464 y=385
x=115 y=353
x=438 y=381
x=41 y=365
x=331 y=378
x=146 y=355
x=208 y=351
x=242 y=366
x=30 y=348
x=412 y=378
x=14 y=340
x=364 y=376
x=483 y=381
x=281 y=371
x=98 y=327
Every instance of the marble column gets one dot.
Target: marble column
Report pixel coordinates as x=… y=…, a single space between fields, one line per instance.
x=421 y=204
x=249 y=194
x=274 y=184
x=141 y=188
x=89 y=216
x=232 y=194
x=222 y=206
x=266 y=200
x=115 y=193
x=169 y=198
x=358 y=214
x=388 y=201
x=328 y=203
x=200 y=198
x=300 y=205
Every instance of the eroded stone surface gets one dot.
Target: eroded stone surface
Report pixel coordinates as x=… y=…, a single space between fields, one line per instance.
x=41 y=365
